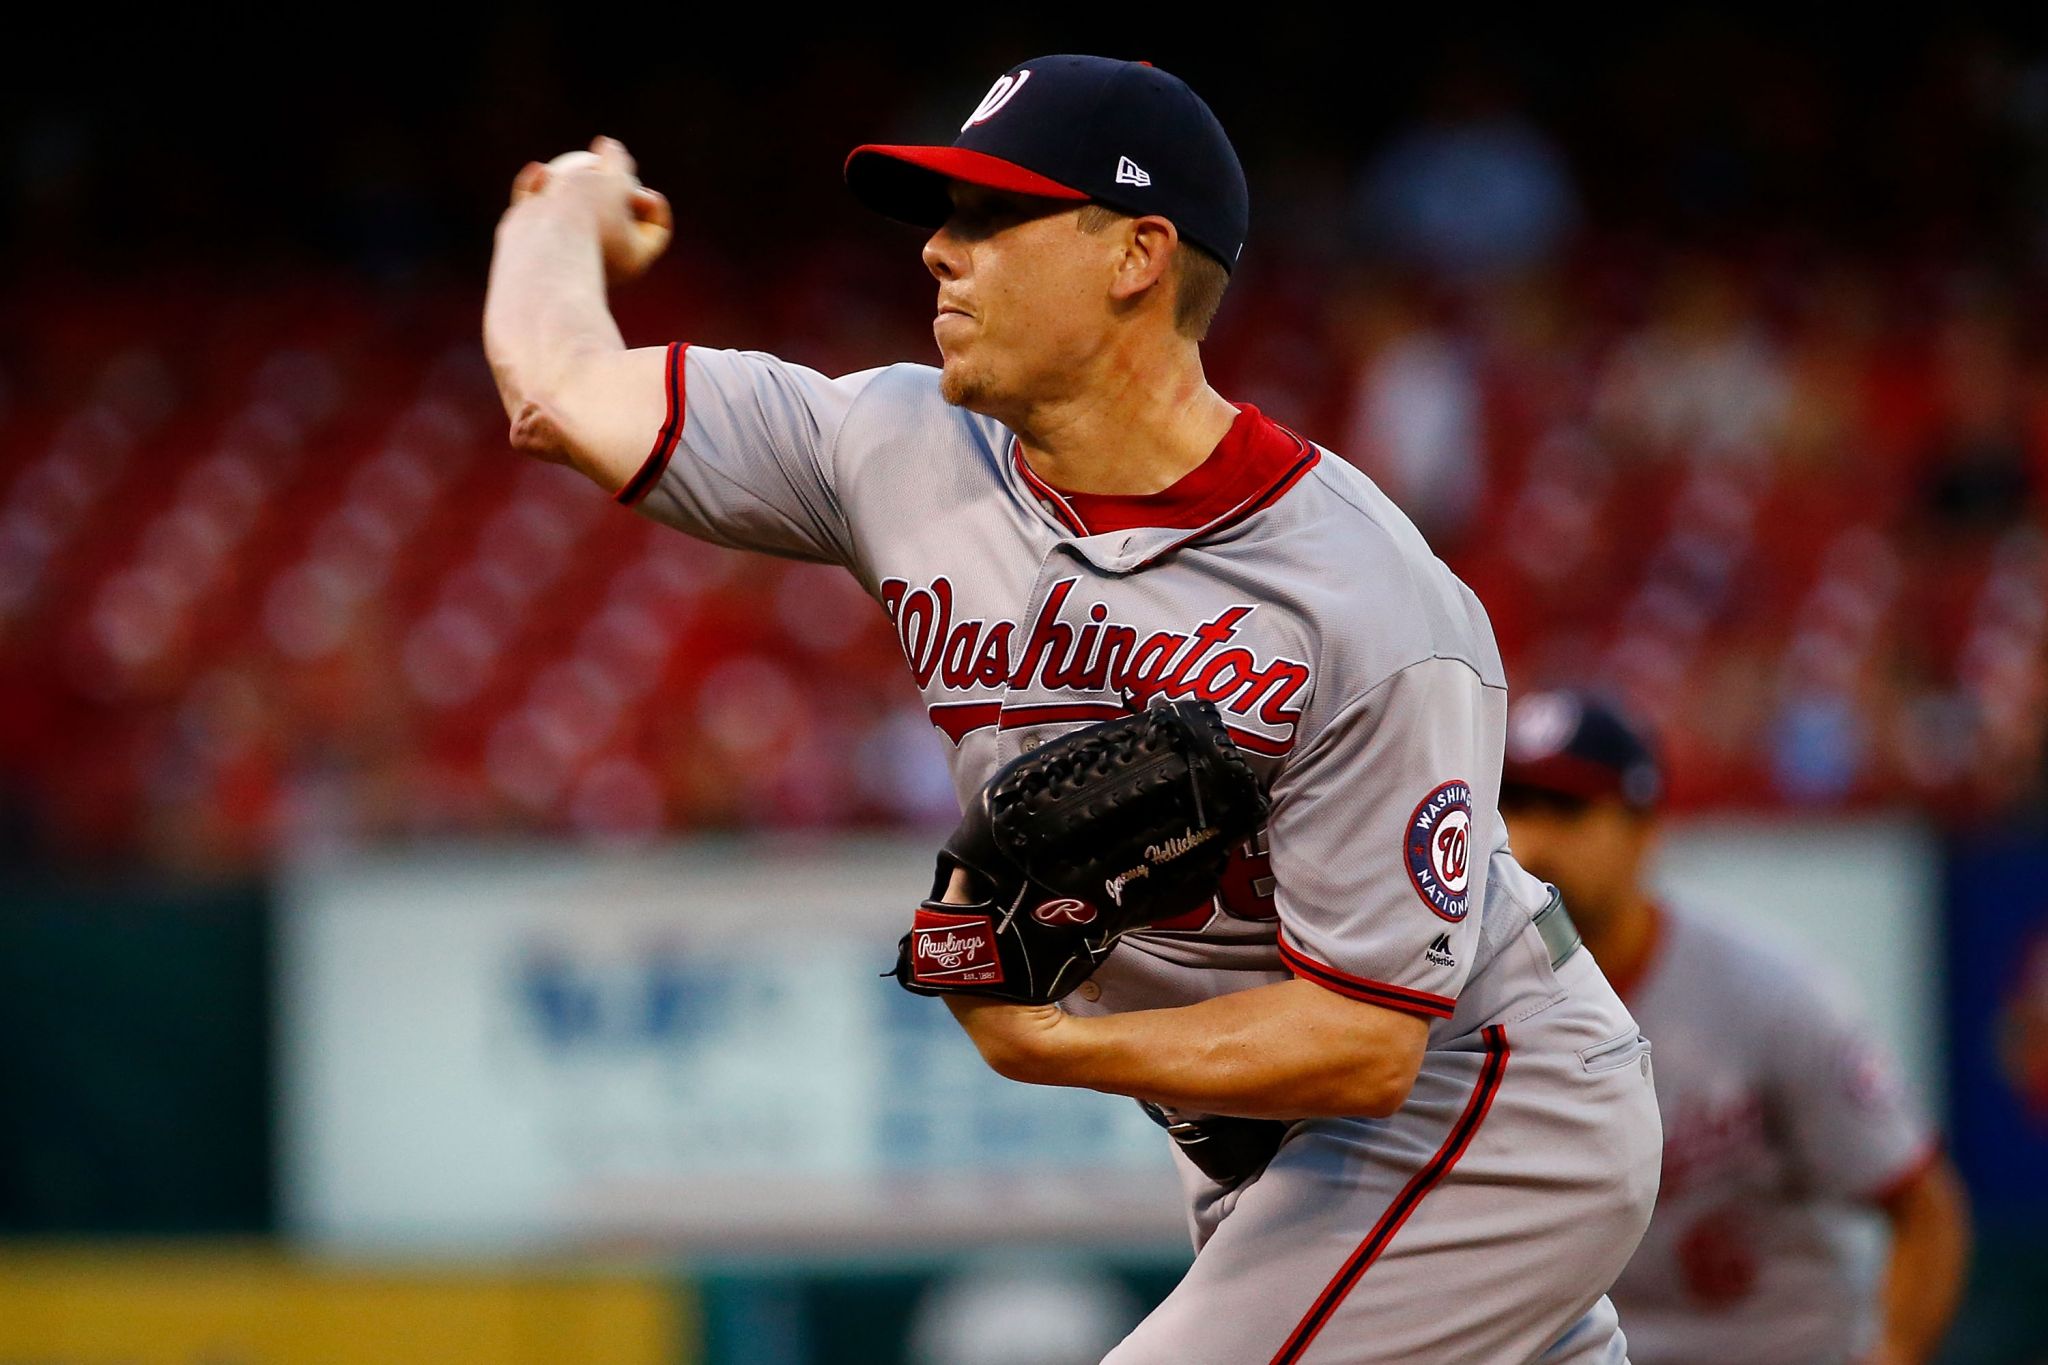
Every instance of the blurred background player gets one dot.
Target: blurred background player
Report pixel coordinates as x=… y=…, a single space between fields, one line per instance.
x=1785 y=1120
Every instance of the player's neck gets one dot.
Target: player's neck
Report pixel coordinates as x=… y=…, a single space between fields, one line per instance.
x=1624 y=942
x=1139 y=425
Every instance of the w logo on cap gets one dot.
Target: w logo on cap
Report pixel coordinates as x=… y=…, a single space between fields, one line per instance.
x=999 y=94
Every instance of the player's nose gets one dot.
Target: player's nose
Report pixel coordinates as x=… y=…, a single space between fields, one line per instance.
x=942 y=254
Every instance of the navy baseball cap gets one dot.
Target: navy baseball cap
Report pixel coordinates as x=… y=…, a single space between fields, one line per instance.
x=1123 y=134
x=1573 y=745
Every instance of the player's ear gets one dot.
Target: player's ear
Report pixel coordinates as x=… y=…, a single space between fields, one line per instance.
x=1149 y=246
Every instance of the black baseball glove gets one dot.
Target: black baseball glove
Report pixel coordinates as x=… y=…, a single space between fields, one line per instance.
x=1107 y=829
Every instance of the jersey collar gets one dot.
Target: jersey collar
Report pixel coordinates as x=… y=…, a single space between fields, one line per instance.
x=1254 y=464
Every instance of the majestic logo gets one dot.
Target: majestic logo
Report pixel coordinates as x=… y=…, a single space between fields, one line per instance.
x=1001 y=93
x=958 y=949
x=1066 y=910
x=1091 y=658
x=1439 y=951
x=1129 y=172
x=1439 y=850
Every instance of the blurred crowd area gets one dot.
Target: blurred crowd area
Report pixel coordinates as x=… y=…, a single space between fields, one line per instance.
x=1716 y=366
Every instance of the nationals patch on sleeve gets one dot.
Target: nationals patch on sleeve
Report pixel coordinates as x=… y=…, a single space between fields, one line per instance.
x=1439 y=849
x=954 y=949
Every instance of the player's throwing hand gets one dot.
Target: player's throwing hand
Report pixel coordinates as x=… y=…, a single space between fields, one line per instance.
x=633 y=222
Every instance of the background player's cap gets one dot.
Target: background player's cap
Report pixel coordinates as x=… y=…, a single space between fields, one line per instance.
x=1575 y=746
x=1123 y=134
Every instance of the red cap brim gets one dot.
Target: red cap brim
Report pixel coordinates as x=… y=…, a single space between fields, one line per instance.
x=909 y=183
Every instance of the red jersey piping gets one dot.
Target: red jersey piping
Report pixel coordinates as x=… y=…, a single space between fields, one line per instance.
x=1385 y=994
x=1431 y=1174
x=671 y=431
x=1254 y=464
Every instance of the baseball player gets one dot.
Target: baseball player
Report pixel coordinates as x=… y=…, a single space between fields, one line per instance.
x=1782 y=1115
x=1416 y=1122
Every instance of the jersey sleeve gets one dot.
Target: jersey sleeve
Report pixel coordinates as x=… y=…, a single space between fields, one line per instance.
x=1842 y=1100
x=744 y=457
x=1379 y=843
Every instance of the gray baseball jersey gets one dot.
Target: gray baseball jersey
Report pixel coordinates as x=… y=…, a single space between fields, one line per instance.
x=1357 y=674
x=1783 y=1119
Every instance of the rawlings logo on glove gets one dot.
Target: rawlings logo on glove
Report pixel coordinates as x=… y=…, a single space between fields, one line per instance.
x=1065 y=910
x=1105 y=830
x=956 y=949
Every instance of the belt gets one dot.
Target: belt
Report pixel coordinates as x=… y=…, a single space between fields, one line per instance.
x=1560 y=935
x=1227 y=1150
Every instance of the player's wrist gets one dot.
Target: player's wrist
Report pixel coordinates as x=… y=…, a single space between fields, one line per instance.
x=557 y=214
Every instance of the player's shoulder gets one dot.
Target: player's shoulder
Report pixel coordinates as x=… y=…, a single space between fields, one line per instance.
x=895 y=388
x=903 y=382
x=898 y=406
x=1770 y=976
x=891 y=421
x=1364 y=529
x=1390 y=601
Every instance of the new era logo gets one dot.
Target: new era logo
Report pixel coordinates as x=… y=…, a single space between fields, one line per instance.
x=1129 y=172
x=1439 y=951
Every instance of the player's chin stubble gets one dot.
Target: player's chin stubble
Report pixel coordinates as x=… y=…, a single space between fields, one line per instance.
x=962 y=385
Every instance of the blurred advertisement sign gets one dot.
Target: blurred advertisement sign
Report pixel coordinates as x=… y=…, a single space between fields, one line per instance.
x=695 y=1050
x=199 y=1307
x=685 y=1050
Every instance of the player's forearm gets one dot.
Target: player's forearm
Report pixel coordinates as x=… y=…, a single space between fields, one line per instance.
x=1291 y=1050
x=1930 y=1250
x=545 y=310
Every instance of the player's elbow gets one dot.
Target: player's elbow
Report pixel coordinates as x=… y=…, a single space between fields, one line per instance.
x=1374 y=1090
x=1365 y=1059
x=549 y=411
x=532 y=406
x=1355 y=1085
x=1386 y=1093
x=538 y=430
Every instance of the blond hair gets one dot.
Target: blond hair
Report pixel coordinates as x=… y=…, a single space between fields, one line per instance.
x=1199 y=278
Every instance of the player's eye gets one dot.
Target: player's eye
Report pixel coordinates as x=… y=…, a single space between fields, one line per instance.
x=977 y=220
x=978 y=215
